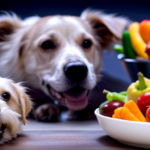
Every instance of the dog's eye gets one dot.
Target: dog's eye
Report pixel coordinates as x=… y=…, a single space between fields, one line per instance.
x=87 y=44
x=6 y=96
x=48 y=45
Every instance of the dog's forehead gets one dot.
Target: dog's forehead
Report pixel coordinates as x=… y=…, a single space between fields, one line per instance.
x=4 y=81
x=6 y=85
x=75 y=21
x=59 y=22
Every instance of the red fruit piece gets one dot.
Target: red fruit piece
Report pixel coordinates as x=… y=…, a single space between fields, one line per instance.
x=108 y=108
x=143 y=101
x=147 y=114
x=148 y=49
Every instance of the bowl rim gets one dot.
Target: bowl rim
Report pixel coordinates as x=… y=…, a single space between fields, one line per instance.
x=96 y=112
x=122 y=58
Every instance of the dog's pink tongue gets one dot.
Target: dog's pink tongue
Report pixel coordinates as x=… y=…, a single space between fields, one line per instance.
x=76 y=102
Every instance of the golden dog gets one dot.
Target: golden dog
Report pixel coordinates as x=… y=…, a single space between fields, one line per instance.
x=14 y=107
x=61 y=55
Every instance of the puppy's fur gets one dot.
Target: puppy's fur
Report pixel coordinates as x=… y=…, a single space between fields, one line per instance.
x=37 y=50
x=14 y=107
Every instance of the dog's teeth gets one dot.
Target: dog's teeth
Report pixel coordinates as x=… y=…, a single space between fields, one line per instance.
x=58 y=95
x=52 y=92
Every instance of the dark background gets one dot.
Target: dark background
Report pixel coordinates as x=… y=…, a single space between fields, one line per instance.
x=133 y=9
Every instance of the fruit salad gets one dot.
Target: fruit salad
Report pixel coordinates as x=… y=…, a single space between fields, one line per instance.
x=136 y=41
x=132 y=105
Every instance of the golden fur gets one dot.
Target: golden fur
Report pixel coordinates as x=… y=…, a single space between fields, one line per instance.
x=14 y=110
x=23 y=58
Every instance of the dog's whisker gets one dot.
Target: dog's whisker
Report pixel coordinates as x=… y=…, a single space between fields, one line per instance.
x=52 y=92
x=58 y=95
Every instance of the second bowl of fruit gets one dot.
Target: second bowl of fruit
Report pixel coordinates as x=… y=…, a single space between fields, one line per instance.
x=135 y=49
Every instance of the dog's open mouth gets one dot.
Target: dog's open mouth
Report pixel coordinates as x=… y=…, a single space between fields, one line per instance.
x=2 y=130
x=75 y=98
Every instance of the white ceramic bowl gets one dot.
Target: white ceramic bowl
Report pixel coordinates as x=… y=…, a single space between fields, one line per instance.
x=127 y=132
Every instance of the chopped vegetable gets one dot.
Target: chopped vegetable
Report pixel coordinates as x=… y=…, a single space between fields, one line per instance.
x=136 y=89
x=147 y=114
x=126 y=114
x=143 y=102
x=129 y=111
x=118 y=48
x=114 y=96
x=142 y=85
x=148 y=49
x=102 y=105
x=117 y=112
x=138 y=43
x=123 y=93
x=144 y=29
x=114 y=116
x=131 y=105
x=108 y=108
x=128 y=50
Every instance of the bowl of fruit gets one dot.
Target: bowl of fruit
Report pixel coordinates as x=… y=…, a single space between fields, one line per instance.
x=135 y=49
x=125 y=116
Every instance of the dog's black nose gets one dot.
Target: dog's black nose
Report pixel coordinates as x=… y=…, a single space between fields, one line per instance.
x=76 y=71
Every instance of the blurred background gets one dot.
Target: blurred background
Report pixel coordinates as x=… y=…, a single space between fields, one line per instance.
x=134 y=10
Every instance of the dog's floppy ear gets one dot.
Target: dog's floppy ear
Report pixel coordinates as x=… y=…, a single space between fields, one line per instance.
x=106 y=27
x=25 y=105
x=8 y=25
x=24 y=101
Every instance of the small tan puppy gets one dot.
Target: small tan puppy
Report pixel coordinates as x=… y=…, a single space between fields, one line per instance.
x=14 y=107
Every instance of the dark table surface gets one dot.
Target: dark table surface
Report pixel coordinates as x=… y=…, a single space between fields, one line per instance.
x=65 y=140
